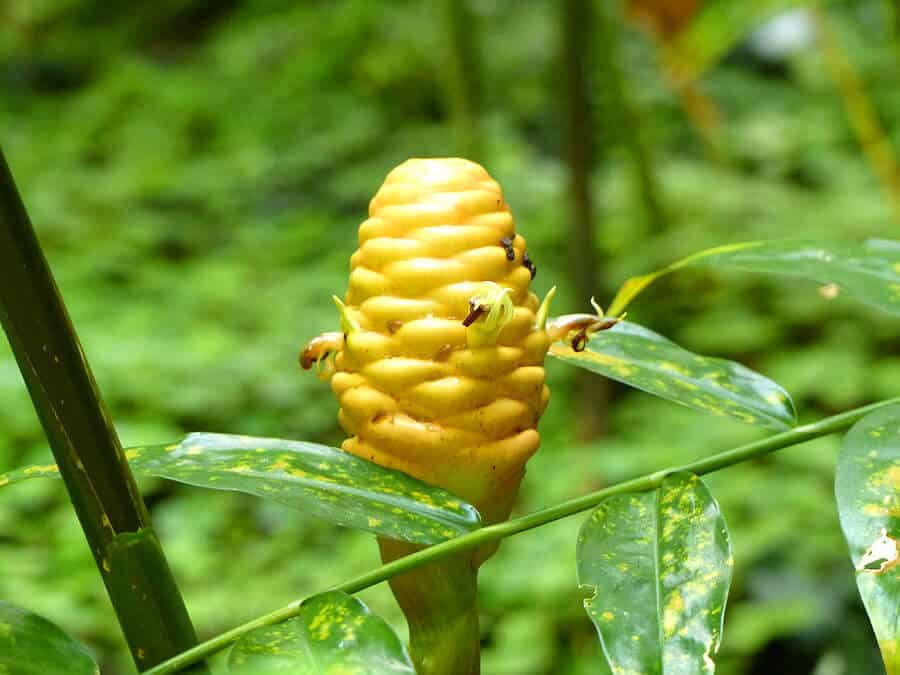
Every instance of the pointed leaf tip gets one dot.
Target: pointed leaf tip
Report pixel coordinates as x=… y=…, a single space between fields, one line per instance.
x=640 y=358
x=868 y=272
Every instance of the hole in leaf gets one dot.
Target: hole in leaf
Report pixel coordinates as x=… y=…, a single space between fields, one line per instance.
x=882 y=555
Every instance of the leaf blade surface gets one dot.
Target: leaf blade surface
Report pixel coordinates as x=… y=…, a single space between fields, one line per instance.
x=640 y=358
x=658 y=565
x=334 y=634
x=317 y=479
x=867 y=487
x=32 y=645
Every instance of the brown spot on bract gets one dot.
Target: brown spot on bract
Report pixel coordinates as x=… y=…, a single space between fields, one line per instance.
x=443 y=353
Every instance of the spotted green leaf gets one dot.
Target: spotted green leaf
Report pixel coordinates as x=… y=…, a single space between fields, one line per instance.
x=868 y=272
x=867 y=486
x=657 y=566
x=646 y=360
x=317 y=479
x=31 y=645
x=334 y=634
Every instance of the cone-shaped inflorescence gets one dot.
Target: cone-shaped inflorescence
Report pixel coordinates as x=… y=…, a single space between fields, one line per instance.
x=439 y=366
x=439 y=372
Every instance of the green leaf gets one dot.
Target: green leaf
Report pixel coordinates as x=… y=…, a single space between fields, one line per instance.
x=334 y=634
x=31 y=645
x=868 y=272
x=867 y=486
x=316 y=479
x=646 y=360
x=658 y=567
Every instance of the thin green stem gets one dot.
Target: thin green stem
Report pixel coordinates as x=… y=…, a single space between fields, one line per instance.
x=462 y=76
x=87 y=450
x=800 y=434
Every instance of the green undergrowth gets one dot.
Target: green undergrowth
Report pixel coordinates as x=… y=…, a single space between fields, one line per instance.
x=197 y=186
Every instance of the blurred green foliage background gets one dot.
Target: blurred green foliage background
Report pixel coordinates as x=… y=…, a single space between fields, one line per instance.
x=196 y=172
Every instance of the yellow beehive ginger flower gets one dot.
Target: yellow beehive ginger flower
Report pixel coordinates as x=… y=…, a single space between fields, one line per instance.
x=439 y=371
x=439 y=366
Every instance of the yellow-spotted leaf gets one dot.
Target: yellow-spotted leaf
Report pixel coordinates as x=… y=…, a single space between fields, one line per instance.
x=657 y=567
x=868 y=272
x=317 y=479
x=867 y=487
x=334 y=633
x=31 y=645
x=646 y=360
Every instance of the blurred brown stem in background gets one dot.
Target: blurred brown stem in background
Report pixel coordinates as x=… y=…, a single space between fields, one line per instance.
x=461 y=76
x=863 y=117
x=664 y=20
x=702 y=112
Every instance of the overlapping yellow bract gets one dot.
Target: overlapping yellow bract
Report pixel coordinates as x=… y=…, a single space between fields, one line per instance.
x=454 y=405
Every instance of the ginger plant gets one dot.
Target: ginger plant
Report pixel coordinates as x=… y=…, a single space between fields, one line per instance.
x=438 y=370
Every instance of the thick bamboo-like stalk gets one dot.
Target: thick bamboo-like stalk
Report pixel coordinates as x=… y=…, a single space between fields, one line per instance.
x=864 y=120
x=462 y=76
x=87 y=450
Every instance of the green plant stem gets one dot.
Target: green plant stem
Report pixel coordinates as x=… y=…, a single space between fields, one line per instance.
x=494 y=533
x=626 y=115
x=440 y=603
x=462 y=76
x=892 y=12
x=87 y=450
x=575 y=40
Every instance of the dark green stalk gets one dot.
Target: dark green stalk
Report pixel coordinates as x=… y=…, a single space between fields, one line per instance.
x=84 y=443
x=577 y=17
x=493 y=533
x=575 y=40
x=892 y=14
x=627 y=116
x=462 y=76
